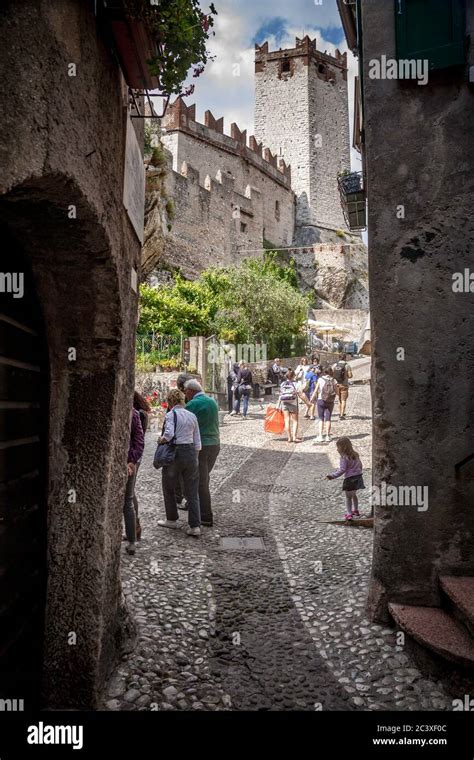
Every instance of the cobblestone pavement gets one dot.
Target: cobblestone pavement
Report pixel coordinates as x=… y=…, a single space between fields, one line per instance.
x=282 y=627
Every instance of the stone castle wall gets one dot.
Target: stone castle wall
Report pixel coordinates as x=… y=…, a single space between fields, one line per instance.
x=228 y=196
x=301 y=112
x=213 y=224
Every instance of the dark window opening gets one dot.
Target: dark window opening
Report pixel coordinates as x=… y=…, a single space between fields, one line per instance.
x=285 y=66
x=243 y=227
x=277 y=210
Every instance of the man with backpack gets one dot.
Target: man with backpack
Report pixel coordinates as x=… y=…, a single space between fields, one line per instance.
x=342 y=374
x=325 y=393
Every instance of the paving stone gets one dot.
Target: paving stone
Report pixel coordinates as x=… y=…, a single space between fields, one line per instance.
x=268 y=626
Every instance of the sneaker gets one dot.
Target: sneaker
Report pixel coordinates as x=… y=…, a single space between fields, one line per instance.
x=319 y=439
x=245 y=417
x=183 y=507
x=196 y=532
x=130 y=549
x=348 y=517
x=328 y=438
x=356 y=513
x=233 y=414
x=342 y=416
x=168 y=523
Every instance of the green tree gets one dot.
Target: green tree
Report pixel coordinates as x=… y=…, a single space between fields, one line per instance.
x=256 y=302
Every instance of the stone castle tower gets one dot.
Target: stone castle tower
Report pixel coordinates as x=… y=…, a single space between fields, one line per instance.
x=301 y=114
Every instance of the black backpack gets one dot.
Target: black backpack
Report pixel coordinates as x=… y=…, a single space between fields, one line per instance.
x=340 y=372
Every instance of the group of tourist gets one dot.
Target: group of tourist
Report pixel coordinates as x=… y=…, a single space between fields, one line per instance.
x=191 y=424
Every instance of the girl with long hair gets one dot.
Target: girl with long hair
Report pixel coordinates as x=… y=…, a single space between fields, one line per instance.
x=350 y=466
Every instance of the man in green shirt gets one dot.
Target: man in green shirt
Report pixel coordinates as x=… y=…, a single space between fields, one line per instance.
x=206 y=411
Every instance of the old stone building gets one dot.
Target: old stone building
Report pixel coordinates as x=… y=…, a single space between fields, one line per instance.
x=66 y=351
x=301 y=113
x=421 y=232
x=228 y=197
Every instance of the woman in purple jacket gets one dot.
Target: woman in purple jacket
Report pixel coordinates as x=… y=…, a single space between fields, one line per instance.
x=135 y=451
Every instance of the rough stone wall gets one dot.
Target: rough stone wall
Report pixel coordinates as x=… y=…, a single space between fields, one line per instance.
x=63 y=141
x=329 y=118
x=282 y=123
x=210 y=151
x=336 y=273
x=302 y=114
x=424 y=405
x=208 y=222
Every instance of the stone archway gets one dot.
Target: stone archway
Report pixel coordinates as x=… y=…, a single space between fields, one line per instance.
x=84 y=294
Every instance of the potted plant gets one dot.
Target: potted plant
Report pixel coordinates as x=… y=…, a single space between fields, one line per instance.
x=353 y=199
x=350 y=182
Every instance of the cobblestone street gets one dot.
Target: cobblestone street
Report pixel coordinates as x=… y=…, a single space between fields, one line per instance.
x=281 y=626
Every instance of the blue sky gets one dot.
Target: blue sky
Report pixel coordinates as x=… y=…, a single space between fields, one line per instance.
x=227 y=85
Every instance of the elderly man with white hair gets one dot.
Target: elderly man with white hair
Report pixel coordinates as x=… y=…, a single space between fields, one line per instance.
x=206 y=411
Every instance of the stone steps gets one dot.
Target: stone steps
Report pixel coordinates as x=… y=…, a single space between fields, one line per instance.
x=460 y=597
x=438 y=631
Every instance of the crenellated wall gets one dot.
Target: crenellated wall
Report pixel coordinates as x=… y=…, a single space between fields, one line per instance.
x=240 y=176
x=213 y=223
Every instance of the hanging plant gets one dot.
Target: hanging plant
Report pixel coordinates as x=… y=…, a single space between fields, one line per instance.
x=180 y=31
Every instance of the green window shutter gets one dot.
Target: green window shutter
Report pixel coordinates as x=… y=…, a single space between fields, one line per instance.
x=431 y=29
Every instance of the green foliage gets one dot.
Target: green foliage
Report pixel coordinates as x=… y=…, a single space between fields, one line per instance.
x=151 y=137
x=275 y=265
x=181 y=31
x=253 y=302
x=170 y=208
x=340 y=233
x=158 y=157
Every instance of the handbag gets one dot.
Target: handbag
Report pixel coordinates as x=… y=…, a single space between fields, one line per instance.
x=274 y=420
x=165 y=452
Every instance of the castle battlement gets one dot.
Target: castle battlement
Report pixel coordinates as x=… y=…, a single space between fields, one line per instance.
x=222 y=182
x=305 y=49
x=182 y=118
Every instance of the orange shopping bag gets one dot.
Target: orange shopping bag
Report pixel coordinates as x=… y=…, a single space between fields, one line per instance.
x=274 y=421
